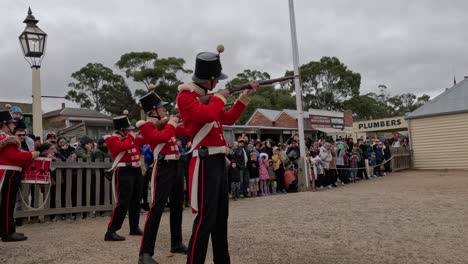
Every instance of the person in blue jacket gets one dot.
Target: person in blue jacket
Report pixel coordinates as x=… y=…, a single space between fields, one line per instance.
x=148 y=154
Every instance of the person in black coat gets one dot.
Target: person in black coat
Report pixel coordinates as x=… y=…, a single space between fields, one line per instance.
x=241 y=157
x=387 y=156
x=234 y=176
x=267 y=148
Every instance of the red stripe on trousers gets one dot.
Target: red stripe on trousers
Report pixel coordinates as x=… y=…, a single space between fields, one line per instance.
x=152 y=204
x=200 y=211
x=118 y=197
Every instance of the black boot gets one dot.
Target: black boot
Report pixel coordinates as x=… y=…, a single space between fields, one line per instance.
x=136 y=232
x=146 y=258
x=113 y=236
x=15 y=237
x=180 y=248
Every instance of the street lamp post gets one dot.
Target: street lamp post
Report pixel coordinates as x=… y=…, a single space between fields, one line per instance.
x=33 y=43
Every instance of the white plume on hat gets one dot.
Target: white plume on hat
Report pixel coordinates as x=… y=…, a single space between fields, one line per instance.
x=140 y=123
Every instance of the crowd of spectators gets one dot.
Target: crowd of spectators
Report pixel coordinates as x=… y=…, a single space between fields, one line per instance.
x=255 y=168
x=259 y=168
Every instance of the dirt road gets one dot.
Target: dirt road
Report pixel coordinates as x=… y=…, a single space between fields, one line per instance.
x=406 y=217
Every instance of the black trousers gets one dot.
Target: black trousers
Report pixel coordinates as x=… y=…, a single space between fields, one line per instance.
x=244 y=181
x=387 y=166
x=169 y=183
x=321 y=181
x=279 y=173
x=146 y=180
x=9 y=191
x=362 y=173
x=213 y=212
x=128 y=182
x=342 y=174
x=183 y=170
x=377 y=170
x=331 y=176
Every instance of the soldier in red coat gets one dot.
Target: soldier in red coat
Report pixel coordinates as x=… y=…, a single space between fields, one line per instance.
x=166 y=182
x=12 y=161
x=208 y=179
x=124 y=147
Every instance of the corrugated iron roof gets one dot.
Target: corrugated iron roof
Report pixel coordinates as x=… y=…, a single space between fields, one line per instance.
x=77 y=112
x=453 y=100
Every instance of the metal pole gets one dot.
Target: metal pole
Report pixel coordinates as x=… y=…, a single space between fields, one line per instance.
x=37 y=104
x=303 y=177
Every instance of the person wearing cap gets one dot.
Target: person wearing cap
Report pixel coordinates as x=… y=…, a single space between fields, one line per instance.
x=207 y=172
x=51 y=138
x=241 y=157
x=165 y=179
x=124 y=147
x=17 y=114
x=85 y=149
x=12 y=160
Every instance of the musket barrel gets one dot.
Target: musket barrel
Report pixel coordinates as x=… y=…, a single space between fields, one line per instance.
x=245 y=86
x=237 y=88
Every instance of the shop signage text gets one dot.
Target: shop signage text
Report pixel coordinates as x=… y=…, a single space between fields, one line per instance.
x=380 y=124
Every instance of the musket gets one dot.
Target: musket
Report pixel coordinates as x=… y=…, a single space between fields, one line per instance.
x=205 y=99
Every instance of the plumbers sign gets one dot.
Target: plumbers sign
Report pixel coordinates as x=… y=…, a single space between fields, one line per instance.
x=380 y=124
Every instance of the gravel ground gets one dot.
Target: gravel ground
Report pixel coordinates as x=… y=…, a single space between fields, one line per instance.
x=405 y=217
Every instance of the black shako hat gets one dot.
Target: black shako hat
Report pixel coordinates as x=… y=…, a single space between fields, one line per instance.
x=151 y=101
x=5 y=117
x=122 y=123
x=208 y=67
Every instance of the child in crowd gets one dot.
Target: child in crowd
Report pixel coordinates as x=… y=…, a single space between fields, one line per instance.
x=263 y=173
x=234 y=176
x=272 y=181
x=252 y=165
x=315 y=170
x=353 y=165
x=318 y=171
x=372 y=163
x=326 y=157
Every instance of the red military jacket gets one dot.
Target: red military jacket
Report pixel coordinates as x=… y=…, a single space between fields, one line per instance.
x=118 y=143
x=11 y=153
x=168 y=135
x=195 y=115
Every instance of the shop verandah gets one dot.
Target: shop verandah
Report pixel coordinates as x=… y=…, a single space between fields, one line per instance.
x=277 y=134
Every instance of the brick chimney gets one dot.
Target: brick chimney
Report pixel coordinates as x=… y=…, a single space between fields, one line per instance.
x=348 y=118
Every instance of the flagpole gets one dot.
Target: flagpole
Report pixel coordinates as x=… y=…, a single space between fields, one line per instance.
x=303 y=176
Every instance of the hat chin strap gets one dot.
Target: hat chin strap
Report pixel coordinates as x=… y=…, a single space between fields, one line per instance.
x=155 y=117
x=121 y=132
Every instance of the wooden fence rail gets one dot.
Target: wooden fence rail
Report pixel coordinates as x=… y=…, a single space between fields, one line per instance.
x=79 y=189
x=401 y=158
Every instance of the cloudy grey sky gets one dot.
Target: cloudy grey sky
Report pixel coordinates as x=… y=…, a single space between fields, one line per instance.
x=410 y=46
